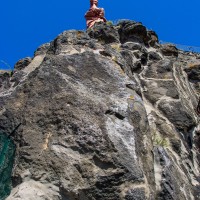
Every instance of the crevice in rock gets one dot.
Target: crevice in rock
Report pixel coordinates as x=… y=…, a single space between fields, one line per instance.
x=189 y=136
x=103 y=164
x=68 y=195
x=116 y=114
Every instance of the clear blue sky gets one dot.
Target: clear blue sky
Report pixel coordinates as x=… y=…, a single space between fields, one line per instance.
x=25 y=25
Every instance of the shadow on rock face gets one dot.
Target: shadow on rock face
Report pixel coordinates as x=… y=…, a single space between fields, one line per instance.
x=104 y=33
x=130 y=31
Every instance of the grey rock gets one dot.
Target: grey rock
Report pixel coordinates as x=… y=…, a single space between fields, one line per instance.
x=104 y=33
x=163 y=128
x=169 y=50
x=107 y=114
x=80 y=88
x=154 y=56
x=153 y=41
x=160 y=69
x=130 y=31
x=136 y=194
x=4 y=81
x=132 y=63
x=132 y=46
x=67 y=38
x=156 y=89
x=193 y=73
x=17 y=77
x=170 y=178
x=176 y=145
x=177 y=114
x=42 y=49
x=21 y=64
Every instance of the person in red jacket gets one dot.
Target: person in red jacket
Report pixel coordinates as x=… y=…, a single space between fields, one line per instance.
x=94 y=14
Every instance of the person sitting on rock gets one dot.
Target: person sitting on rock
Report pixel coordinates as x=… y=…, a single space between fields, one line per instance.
x=94 y=14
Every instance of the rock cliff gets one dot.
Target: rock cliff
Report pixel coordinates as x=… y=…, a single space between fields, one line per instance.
x=106 y=114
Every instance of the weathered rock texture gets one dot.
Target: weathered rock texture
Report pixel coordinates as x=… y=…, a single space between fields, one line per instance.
x=106 y=114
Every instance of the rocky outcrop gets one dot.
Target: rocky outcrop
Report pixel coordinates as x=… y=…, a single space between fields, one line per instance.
x=106 y=114
x=5 y=80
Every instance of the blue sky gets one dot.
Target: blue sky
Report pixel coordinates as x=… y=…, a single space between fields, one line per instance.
x=25 y=25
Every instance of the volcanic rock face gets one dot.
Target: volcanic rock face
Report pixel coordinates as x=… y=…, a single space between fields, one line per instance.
x=107 y=114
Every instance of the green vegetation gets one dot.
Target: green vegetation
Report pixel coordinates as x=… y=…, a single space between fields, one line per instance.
x=109 y=23
x=117 y=47
x=160 y=141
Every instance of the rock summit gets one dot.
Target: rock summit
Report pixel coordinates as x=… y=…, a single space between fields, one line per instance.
x=106 y=114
